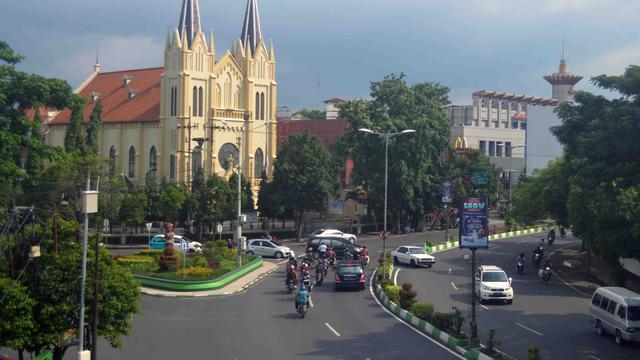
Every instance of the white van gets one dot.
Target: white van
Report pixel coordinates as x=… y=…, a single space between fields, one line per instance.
x=616 y=310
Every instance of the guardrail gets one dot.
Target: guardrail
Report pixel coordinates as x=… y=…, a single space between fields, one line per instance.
x=217 y=283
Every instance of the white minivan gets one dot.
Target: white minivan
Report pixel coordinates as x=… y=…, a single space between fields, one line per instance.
x=616 y=310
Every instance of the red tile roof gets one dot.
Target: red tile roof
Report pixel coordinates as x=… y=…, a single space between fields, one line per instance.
x=117 y=107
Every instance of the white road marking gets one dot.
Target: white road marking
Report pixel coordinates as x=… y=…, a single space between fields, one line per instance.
x=523 y=241
x=594 y=357
x=561 y=279
x=449 y=271
x=454 y=286
x=332 y=329
x=527 y=328
x=484 y=307
x=395 y=277
x=310 y=302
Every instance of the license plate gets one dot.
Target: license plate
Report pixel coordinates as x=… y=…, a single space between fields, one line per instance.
x=497 y=294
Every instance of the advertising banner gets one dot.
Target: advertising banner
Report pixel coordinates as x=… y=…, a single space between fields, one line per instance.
x=446 y=191
x=474 y=223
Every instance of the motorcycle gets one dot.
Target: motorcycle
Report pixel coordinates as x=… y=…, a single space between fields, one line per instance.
x=319 y=276
x=546 y=274
x=302 y=309
x=537 y=258
x=291 y=286
x=551 y=237
x=520 y=266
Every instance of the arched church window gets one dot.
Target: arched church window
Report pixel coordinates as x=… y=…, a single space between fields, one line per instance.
x=112 y=161
x=227 y=91
x=200 y=98
x=257 y=112
x=262 y=106
x=172 y=167
x=153 y=160
x=218 y=96
x=258 y=166
x=195 y=101
x=132 y=162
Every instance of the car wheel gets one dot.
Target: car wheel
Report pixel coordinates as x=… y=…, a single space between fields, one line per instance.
x=278 y=255
x=395 y=260
x=192 y=250
x=249 y=252
x=619 y=339
x=510 y=301
x=599 y=328
x=413 y=263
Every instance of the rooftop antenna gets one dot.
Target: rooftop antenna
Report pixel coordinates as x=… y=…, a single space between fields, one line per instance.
x=563 y=45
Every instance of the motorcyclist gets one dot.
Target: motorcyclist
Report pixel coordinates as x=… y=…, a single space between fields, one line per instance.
x=364 y=256
x=292 y=260
x=322 y=251
x=309 y=252
x=547 y=263
x=521 y=256
x=305 y=277
x=331 y=255
x=539 y=251
x=302 y=297
x=291 y=275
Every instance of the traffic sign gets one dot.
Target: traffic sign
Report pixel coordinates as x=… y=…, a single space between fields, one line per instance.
x=219 y=228
x=446 y=191
x=479 y=178
x=148 y=225
x=184 y=246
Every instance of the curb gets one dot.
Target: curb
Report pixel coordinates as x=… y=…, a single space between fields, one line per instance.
x=456 y=244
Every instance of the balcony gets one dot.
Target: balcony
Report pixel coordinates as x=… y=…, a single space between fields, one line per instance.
x=228 y=114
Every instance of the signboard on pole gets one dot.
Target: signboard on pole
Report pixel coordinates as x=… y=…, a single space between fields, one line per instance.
x=474 y=223
x=479 y=178
x=446 y=191
x=184 y=246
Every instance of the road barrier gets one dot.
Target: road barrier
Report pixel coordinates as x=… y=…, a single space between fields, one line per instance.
x=455 y=244
x=217 y=283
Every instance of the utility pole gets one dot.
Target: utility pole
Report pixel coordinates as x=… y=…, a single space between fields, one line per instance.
x=96 y=289
x=188 y=150
x=239 y=224
x=473 y=325
x=89 y=206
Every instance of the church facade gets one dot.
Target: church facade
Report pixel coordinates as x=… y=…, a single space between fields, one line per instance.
x=199 y=110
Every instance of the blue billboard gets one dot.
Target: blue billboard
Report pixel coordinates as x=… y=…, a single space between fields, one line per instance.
x=474 y=223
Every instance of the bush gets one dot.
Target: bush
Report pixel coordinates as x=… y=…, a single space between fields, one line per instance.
x=229 y=253
x=407 y=296
x=393 y=293
x=385 y=282
x=199 y=261
x=169 y=259
x=534 y=353
x=150 y=253
x=422 y=310
x=216 y=244
x=199 y=272
x=213 y=265
x=133 y=260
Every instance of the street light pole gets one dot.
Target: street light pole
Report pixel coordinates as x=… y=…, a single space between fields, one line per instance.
x=386 y=137
x=239 y=224
x=511 y=170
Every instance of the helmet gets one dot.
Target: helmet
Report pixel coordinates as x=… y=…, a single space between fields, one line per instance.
x=292 y=255
x=304 y=265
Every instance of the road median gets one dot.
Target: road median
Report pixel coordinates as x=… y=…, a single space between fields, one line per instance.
x=434 y=248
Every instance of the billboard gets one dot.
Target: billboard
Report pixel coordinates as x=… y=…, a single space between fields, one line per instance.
x=474 y=223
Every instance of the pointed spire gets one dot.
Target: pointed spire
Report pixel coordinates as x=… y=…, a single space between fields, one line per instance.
x=189 y=20
x=272 y=53
x=96 y=67
x=564 y=68
x=251 y=28
x=212 y=47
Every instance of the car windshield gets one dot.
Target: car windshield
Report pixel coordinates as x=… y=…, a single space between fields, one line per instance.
x=416 y=251
x=496 y=276
x=633 y=313
x=349 y=270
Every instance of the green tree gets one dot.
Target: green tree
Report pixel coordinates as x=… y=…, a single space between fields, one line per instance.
x=247 y=203
x=211 y=202
x=460 y=168
x=414 y=164
x=93 y=128
x=312 y=114
x=152 y=194
x=602 y=157
x=132 y=208
x=73 y=139
x=20 y=94
x=171 y=200
x=305 y=174
x=17 y=326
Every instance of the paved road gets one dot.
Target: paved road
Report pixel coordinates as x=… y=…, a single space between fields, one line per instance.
x=553 y=316
x=261 y=324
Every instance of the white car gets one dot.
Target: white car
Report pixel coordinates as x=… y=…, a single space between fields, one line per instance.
x=157 y=242
x=412 y=255
x=334 y=233
x=266 y=247
x=492 y=283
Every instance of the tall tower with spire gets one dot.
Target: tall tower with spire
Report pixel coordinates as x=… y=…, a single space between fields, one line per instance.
x=562 y=82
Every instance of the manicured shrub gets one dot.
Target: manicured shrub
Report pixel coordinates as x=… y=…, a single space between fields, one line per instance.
x=169 y=259
x=422 y=310
x=150 y=253
x=407 y=296
x=392 y=292
x=132 y=260
x=195 y=272
x=229 y=253
x=442 y=321
x=385 y=282
x=534 y=353
x=213 y=264
x=199 y=261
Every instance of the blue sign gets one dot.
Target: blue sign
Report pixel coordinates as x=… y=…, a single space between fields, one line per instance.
x=184 y=246
x=446 y=191
x=474 y=223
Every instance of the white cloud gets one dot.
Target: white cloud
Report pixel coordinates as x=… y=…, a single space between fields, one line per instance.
x=611 y=63
x=116 y=53
x=569 y=5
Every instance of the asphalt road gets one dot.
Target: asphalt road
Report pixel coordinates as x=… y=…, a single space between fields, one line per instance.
x=261 y=323
x=554 y=317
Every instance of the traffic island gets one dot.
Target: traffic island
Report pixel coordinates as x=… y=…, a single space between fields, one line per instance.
x=431 y=248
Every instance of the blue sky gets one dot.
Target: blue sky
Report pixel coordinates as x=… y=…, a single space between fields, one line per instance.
x=342 y=45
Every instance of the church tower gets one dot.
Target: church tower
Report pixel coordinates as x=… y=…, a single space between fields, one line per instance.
x=218 y=112
x=563 y=81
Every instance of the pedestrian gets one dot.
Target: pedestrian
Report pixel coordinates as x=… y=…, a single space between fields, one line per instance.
x=229 y=244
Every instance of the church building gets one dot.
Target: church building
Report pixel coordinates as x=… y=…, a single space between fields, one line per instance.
x=197 y=111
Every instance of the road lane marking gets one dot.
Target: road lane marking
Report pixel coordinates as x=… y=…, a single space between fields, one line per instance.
x=561 y=279
x=530 y=329
x=310 y=302
x=332 y=329
x=594 y=357
x=408 y=325
x=395 y=277
x=484 y=307
x=454 y=286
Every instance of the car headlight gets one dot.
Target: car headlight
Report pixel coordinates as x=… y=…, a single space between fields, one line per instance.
x=483 y=287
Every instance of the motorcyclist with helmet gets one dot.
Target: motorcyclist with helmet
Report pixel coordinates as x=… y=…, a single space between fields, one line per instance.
x=302 y=297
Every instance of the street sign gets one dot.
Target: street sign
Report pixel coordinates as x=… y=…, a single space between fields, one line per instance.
x=219 y=228
x=479 y=178
x=474 y=227
x=148 y=225
x=446 y=191
x=184 y=246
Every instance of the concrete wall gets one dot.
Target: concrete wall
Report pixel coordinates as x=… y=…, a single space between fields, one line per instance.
x=542 y=146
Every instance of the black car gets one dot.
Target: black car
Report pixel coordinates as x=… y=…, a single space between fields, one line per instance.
x=349 y=275
x=337 y=244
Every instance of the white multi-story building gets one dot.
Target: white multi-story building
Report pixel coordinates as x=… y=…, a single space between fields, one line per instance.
x=496 y=125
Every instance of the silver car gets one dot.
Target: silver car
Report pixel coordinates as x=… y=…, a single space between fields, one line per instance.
x=266 y=247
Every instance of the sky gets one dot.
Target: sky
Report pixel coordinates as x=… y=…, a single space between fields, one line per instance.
x=335 y=48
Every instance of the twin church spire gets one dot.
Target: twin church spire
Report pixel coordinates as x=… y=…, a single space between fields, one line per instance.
x=189 y=24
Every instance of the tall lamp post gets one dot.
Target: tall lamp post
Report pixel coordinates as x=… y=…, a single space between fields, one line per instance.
x=511 y=170
x=386 y=137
